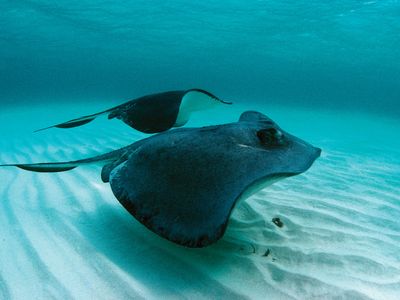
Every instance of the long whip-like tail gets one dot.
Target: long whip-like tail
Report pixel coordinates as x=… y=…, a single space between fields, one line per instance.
x=78 y=121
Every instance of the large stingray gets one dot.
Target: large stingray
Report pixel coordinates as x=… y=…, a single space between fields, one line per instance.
x=156 y=112
x=183 y=184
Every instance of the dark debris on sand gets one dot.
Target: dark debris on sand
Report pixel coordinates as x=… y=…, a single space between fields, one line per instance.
x=277 y=221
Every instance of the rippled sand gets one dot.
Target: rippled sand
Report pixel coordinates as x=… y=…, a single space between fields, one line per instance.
x=65 y=235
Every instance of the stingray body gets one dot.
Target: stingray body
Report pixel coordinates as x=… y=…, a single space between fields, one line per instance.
x=184 y=183
x=154 y=113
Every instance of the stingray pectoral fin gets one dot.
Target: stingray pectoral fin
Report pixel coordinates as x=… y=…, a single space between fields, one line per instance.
x=171 y=199
x=78 y=121
x=105 y=172
x=107 y=168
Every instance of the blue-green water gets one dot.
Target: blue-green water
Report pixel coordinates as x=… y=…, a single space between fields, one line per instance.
x=343 y=54
x=326 y=71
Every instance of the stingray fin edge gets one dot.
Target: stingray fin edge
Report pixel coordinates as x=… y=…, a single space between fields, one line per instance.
x=200 y=241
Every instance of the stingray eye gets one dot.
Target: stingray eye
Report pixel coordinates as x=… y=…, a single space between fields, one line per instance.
x=270 y=136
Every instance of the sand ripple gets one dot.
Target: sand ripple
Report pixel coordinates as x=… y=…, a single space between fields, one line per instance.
x=64 y=236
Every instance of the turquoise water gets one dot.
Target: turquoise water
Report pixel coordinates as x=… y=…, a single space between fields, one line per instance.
x=326 y=71
x=341 y=54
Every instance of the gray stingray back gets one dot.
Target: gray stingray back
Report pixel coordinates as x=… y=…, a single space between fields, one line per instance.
x=182 y=191
x=183 y=184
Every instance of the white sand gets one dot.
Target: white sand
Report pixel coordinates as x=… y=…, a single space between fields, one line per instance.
x=65 y=236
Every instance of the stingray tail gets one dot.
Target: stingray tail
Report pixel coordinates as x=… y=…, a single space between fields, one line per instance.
x=103 y=160
x=108 y=161
x=78 y=121
x=56 y=166
x=45 y=167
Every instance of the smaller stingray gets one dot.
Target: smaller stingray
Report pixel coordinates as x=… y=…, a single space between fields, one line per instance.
x=154 y=113
x=183 y=184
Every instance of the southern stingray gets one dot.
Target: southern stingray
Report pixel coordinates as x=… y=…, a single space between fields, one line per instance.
x=156 y=112
x=183 y=184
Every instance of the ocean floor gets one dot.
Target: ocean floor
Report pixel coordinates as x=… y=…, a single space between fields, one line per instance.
x=65 y=236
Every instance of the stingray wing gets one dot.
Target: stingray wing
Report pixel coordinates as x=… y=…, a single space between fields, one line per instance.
x=152 y=113
x=182 y=193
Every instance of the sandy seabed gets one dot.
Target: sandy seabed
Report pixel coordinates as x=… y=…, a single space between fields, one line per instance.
x=65 y=236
